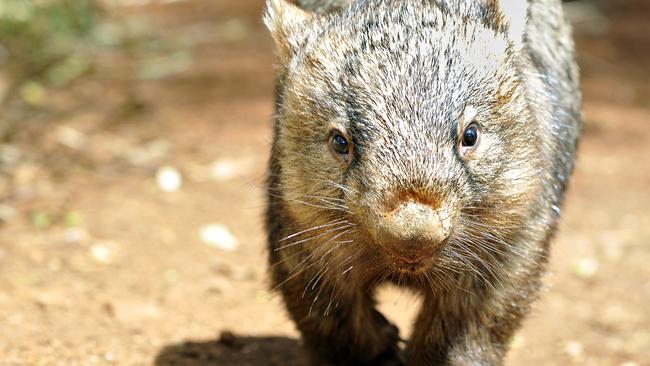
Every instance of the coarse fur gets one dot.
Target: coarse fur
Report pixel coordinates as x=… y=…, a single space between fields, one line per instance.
x=404 y=78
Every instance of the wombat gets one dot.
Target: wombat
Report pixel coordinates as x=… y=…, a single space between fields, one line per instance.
x=425 y=143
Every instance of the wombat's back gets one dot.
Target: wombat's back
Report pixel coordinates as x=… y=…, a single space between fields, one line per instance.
x=553 y=87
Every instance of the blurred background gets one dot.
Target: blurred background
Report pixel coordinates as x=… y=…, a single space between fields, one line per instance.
x=133 y=141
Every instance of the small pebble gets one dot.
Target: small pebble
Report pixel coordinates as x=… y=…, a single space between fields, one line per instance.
x=218 y=236
x=169 y=179
x=574 y=349
x=585 y=268
x=70 y=137
x=75 y=235
x=629 y=363
x=109 y=356
x=101 y=253
x=223 y=170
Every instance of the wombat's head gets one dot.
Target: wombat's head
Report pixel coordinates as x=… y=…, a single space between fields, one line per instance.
x=406 y=120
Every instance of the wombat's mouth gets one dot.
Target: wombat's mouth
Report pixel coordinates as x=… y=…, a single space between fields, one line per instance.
x=409 y=268
x=412 y=261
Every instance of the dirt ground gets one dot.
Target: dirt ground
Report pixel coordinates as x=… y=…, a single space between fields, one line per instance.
x=99 y=266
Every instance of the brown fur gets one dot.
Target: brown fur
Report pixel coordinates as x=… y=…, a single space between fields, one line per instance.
x=404 y=78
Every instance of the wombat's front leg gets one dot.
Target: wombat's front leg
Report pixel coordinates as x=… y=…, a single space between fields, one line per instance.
x=341 y=327
x=445 y=335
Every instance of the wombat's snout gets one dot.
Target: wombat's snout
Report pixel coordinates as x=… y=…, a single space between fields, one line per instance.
x=413 y=231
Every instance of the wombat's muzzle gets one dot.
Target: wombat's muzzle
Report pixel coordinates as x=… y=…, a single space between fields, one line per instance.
x=413 y=231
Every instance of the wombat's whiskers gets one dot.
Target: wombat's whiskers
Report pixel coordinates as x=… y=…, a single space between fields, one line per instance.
x=489 y=234
x=348 y=191
x=314 y=282
x=331 y=223
x=325 y=268
x=305 y=264
x=324 y=233
x=328 y=203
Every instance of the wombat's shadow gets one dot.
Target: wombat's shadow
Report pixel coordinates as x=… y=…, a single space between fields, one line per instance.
x=231 y=350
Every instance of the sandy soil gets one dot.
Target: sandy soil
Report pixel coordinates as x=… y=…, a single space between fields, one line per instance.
x=98 y=265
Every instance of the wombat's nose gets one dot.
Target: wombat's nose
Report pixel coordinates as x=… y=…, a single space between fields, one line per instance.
x=413 y=231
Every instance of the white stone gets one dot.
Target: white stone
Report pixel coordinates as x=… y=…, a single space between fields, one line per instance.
x=169 y=179
x=101 y=253
x=75 y=235
x=218 y=236
x=70 y=137
x=629 y=363
x=109 y=356
x=574 y=349
x=223 y=170
x=585 y=267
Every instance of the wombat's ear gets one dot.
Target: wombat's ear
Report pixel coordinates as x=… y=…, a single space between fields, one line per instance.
x=288 y=26
x=515 y=13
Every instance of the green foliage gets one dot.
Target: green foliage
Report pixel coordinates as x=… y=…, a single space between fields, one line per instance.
x=47 y=39
x=53 y=42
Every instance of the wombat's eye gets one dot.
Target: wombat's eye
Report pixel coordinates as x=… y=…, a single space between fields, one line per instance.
x=470 y=136
x=340 y=146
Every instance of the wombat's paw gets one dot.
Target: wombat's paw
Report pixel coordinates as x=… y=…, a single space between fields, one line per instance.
x=392 y=355
x=390 y=332
x=388 y=359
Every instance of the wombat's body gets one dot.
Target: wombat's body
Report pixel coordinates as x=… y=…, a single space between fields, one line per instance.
x=425 y=143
